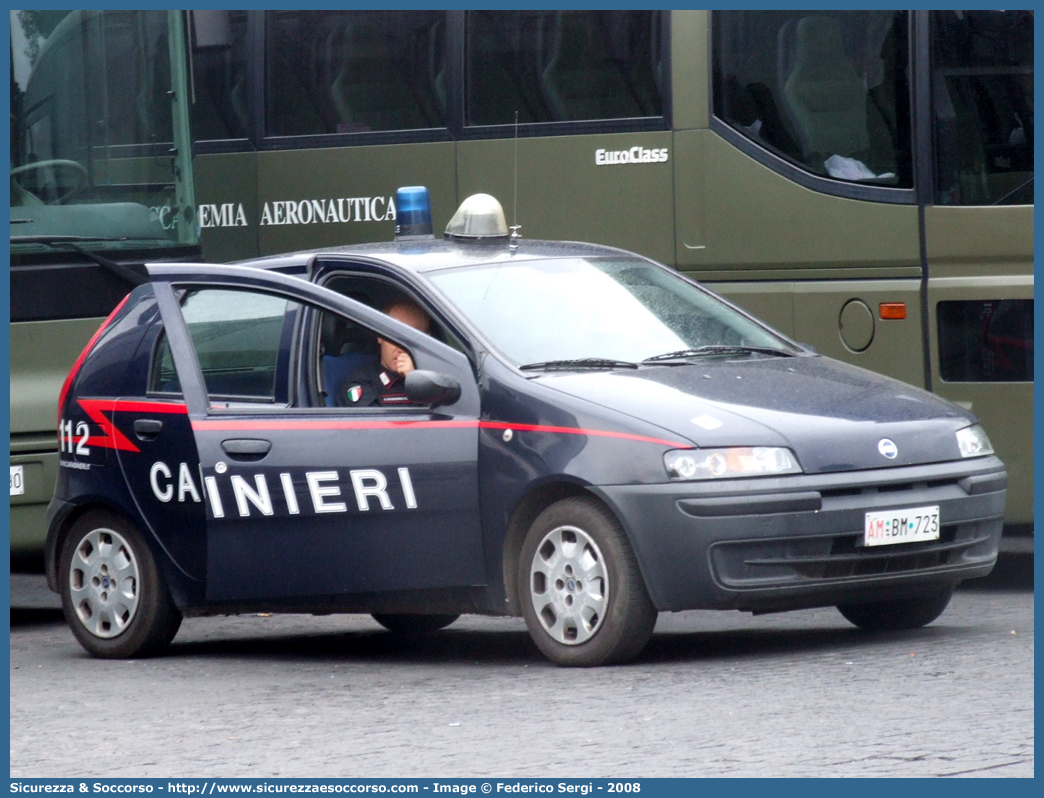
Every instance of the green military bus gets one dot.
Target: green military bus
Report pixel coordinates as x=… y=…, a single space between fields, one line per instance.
x=863 y=180
x=101 y=182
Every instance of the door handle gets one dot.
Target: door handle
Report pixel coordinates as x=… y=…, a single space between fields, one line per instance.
x=246 y=448
x=146 y=429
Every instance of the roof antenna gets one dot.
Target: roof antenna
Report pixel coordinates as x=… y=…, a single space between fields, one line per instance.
x=515 y=227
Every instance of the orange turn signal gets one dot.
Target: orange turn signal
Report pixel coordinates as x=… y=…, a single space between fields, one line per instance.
x=893 y=310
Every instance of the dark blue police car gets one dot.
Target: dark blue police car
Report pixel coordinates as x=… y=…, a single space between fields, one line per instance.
x=586 y=438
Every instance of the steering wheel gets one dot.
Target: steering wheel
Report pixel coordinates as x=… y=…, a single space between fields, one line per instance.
x=57 y=163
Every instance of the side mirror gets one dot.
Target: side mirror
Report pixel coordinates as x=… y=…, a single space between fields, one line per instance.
x=431 y=388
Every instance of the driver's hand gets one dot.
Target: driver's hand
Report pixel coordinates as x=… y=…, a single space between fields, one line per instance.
x=404 y=364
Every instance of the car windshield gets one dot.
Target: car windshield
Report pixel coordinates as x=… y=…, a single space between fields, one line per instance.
x=597 y=310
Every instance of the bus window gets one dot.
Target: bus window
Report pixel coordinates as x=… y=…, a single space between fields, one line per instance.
x=825 y=90
x=561 y=66
x=986 y=340
x=219 y=75
x=982 y=103
x=354 y=72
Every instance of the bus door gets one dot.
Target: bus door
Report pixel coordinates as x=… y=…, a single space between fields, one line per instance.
x=979 y=230
x=795 y=193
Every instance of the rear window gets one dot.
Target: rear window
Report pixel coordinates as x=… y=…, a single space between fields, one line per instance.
x=238 y=337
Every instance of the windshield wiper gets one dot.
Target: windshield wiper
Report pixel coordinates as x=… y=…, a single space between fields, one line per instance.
x=126 y=274
x=52 y=240
x=712 y=350
x=579 y=363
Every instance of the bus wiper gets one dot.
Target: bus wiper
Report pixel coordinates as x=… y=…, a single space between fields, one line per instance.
x=717 y=349
x=579 y=363
x=53 y=240
x=72 y=242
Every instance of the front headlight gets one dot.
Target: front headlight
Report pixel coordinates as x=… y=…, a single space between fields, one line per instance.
x=738 y=461
x=973 y=441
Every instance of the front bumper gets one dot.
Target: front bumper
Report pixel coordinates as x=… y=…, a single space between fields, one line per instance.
x=790 y=542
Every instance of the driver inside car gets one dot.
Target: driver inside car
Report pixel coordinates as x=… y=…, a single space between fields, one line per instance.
x=383 y=382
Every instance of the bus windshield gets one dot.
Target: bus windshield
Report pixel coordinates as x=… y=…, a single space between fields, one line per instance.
x=99 y=139
x=101 y=183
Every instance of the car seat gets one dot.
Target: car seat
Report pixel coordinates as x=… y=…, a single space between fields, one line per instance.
x=346 y=347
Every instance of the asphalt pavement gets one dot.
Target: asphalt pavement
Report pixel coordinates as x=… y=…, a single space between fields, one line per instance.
x=714 y=694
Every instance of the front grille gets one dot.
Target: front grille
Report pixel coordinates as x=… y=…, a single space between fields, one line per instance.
x=823 y=558
x=849 y=557
x=888 y=487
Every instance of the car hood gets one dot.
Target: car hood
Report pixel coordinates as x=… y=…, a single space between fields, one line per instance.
x=833 y=416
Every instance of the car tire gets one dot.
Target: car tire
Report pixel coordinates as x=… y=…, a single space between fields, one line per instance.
x=404 y=624
x=891 y=616
x=582 y=593
x=114 y=598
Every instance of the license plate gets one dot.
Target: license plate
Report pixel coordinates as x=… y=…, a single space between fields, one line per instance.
x=17 y=480
x=911 y=525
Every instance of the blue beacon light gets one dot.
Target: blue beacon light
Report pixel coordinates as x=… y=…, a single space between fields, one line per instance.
x=412 y=213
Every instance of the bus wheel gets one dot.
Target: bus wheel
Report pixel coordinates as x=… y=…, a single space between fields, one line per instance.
x=891 y=616
x=404 y=624
x=113 y=595
x=582 y=594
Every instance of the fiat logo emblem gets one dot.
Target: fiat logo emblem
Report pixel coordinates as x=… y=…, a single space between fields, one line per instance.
x=887 y=448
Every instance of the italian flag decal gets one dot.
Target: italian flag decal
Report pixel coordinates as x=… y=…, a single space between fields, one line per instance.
x=355 y=393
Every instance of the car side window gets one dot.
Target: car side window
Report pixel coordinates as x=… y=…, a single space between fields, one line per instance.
x=242 y=344
x=356 y=368
x=380 y=293
x=163 y=376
